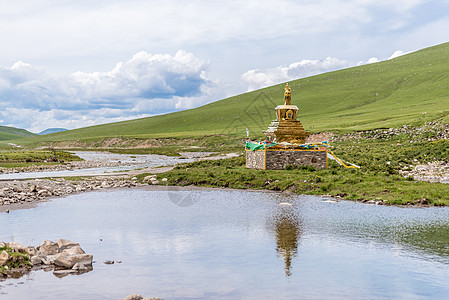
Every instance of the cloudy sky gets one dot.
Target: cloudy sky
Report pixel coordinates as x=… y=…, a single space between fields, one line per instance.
x=77 y=63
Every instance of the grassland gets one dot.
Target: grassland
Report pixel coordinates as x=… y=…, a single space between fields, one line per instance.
x=11 y=133
x=411 y=89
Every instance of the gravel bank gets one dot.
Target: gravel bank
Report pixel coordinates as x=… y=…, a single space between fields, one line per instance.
x=19 y=194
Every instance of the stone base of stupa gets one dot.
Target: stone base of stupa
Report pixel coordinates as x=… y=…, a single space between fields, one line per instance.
x=281 y=159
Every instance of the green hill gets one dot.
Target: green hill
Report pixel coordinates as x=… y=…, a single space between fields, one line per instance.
x=11 y=133
x=410 y=89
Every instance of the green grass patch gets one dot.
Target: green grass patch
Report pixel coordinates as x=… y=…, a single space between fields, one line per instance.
x=25 y=164
x=24 y=158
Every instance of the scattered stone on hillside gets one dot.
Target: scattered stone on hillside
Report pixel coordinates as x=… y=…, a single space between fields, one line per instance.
x=437 y=171
x=431 y=131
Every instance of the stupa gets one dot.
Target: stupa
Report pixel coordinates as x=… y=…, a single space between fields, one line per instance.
x=285 y=147
x=286 y=128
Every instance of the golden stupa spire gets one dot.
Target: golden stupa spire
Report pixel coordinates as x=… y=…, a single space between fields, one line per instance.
x=287 y=95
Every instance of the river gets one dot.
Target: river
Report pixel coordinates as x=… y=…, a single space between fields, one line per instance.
x=119 y=163
x=226 y=244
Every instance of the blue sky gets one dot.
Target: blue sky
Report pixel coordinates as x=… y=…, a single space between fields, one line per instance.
x=78 y=63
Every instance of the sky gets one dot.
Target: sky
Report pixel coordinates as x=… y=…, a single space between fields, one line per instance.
x=74 y=64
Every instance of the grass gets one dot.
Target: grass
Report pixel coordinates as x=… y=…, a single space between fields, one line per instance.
x=410 y=89
x=13 y=165
x=161 y=146
x=377 y=180
x=23 y=158
x=11 y=133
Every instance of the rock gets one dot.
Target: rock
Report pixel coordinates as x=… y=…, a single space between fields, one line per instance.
x=164 y=179
x=30 y=250
x=48 y=260
x=150 y=178
x=105 y=184
x=36 y=260
x=155 y=182
x=16 y=247
x=4 y=257
x=33 y=189
x=43 y=192
x=48 y=248
x=64 y=244
x=68 y=261
x=133 y=297
x=64 y=273
x=73 y=251
x=108 y=262
x=2 y=245
x=80 y=267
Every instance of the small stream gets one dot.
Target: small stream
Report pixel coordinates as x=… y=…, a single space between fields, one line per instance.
x=226 y=244
x=123 y=162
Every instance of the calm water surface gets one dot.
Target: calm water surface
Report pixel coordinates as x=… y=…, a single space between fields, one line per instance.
x=235 y=245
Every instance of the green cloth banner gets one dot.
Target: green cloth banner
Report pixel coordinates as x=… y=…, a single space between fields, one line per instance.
x=256 y=146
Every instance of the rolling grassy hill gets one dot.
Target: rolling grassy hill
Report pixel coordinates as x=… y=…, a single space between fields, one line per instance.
x=11 y=133
x=410 y=89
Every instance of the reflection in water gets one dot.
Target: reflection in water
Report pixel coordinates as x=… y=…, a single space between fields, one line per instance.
x=183 y=199
x=220 y=245
x=287 y=229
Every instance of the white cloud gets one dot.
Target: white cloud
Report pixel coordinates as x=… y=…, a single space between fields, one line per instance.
x=262 y=78
x=397 y=53
x=147 y=84
x=371 y=60
x=256 y=79
x=73 y=34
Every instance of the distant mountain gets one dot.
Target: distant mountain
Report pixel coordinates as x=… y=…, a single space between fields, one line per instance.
x=11 y=133
x=51 y=130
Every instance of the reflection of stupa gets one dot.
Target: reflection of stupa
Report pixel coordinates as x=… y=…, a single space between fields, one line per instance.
x=286 y=128
x=287 y=230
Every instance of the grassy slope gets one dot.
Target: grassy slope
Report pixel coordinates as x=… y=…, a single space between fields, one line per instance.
x=407 y=90
x=10 y=133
